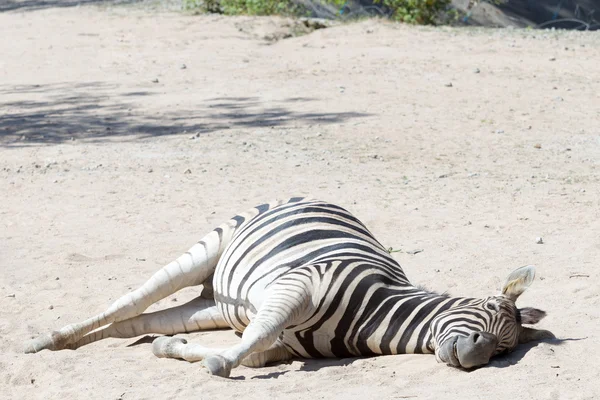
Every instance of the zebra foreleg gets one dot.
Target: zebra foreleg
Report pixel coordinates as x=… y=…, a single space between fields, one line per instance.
x=286 y=302
x=175 y=347
x=197 y=315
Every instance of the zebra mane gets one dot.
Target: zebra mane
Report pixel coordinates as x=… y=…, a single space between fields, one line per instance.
x=425 y=289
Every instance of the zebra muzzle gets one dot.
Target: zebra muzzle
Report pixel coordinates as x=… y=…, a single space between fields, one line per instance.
x=469 y=351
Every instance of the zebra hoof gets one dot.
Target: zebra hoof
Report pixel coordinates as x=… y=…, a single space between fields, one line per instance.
x=45 y=342
x=217 y=365
x=168 y=347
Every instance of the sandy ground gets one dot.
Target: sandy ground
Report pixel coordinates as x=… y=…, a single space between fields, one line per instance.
x=101 y=183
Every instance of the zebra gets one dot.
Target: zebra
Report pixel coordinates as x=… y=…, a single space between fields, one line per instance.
x=304 y=278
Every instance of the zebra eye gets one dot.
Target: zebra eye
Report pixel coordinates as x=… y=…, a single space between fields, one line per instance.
x=491 y=307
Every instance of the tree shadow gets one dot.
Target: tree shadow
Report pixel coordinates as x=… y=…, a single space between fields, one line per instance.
x=96 y=111
x=34 y=5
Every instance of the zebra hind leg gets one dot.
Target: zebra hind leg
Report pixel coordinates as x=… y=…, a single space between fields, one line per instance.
x=199 y=314
x=194 y=267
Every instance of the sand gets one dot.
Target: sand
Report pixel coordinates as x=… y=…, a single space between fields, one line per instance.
x=126 y=134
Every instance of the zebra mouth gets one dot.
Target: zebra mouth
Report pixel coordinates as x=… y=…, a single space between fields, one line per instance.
x=448 y=352
x=454 y=351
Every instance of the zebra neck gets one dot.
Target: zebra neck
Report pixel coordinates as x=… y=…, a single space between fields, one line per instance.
x=401 y=325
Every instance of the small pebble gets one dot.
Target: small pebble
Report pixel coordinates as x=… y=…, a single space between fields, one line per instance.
x=11 y=295
x=50 y=307
x=537 y=146
x=182 y=66
x=187 y=171
x=449 y=84
x=552 y=59
x=539 y=240
x=150 y=170
x=413 y=252
x=57 y=278
x=155 y=80
x=476 y=70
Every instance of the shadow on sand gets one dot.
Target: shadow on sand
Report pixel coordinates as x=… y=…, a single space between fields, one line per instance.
x=96 y=111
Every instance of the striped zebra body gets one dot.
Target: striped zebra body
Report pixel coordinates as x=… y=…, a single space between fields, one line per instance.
x=361 y=302
x=306 y=278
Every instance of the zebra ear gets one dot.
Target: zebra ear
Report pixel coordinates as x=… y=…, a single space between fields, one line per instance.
x=518 y=281
x=530 y=316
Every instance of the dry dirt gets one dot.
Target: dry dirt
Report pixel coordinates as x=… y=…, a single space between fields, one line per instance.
x=467 y=144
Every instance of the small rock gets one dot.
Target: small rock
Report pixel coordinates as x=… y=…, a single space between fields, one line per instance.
x=539 y=240
x=150 y=170
x=552 y=59
x=50 y=307
x=413 y=252
x=182 y=66
x=449 y=84
x=500 y=131
x=112 y=278
x=155 y=80
x=476 y=70
x=187 y=171
x=11 y=295
x=174 y=299
x=57 y=278
x=32 y=381
x=537 y=146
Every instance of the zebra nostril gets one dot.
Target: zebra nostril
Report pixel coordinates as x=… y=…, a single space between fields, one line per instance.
x=475 y=337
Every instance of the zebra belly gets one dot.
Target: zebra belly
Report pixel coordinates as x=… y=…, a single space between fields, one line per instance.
x=240 y=299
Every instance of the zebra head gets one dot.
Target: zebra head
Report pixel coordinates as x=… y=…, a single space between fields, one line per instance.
x=469 y=334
